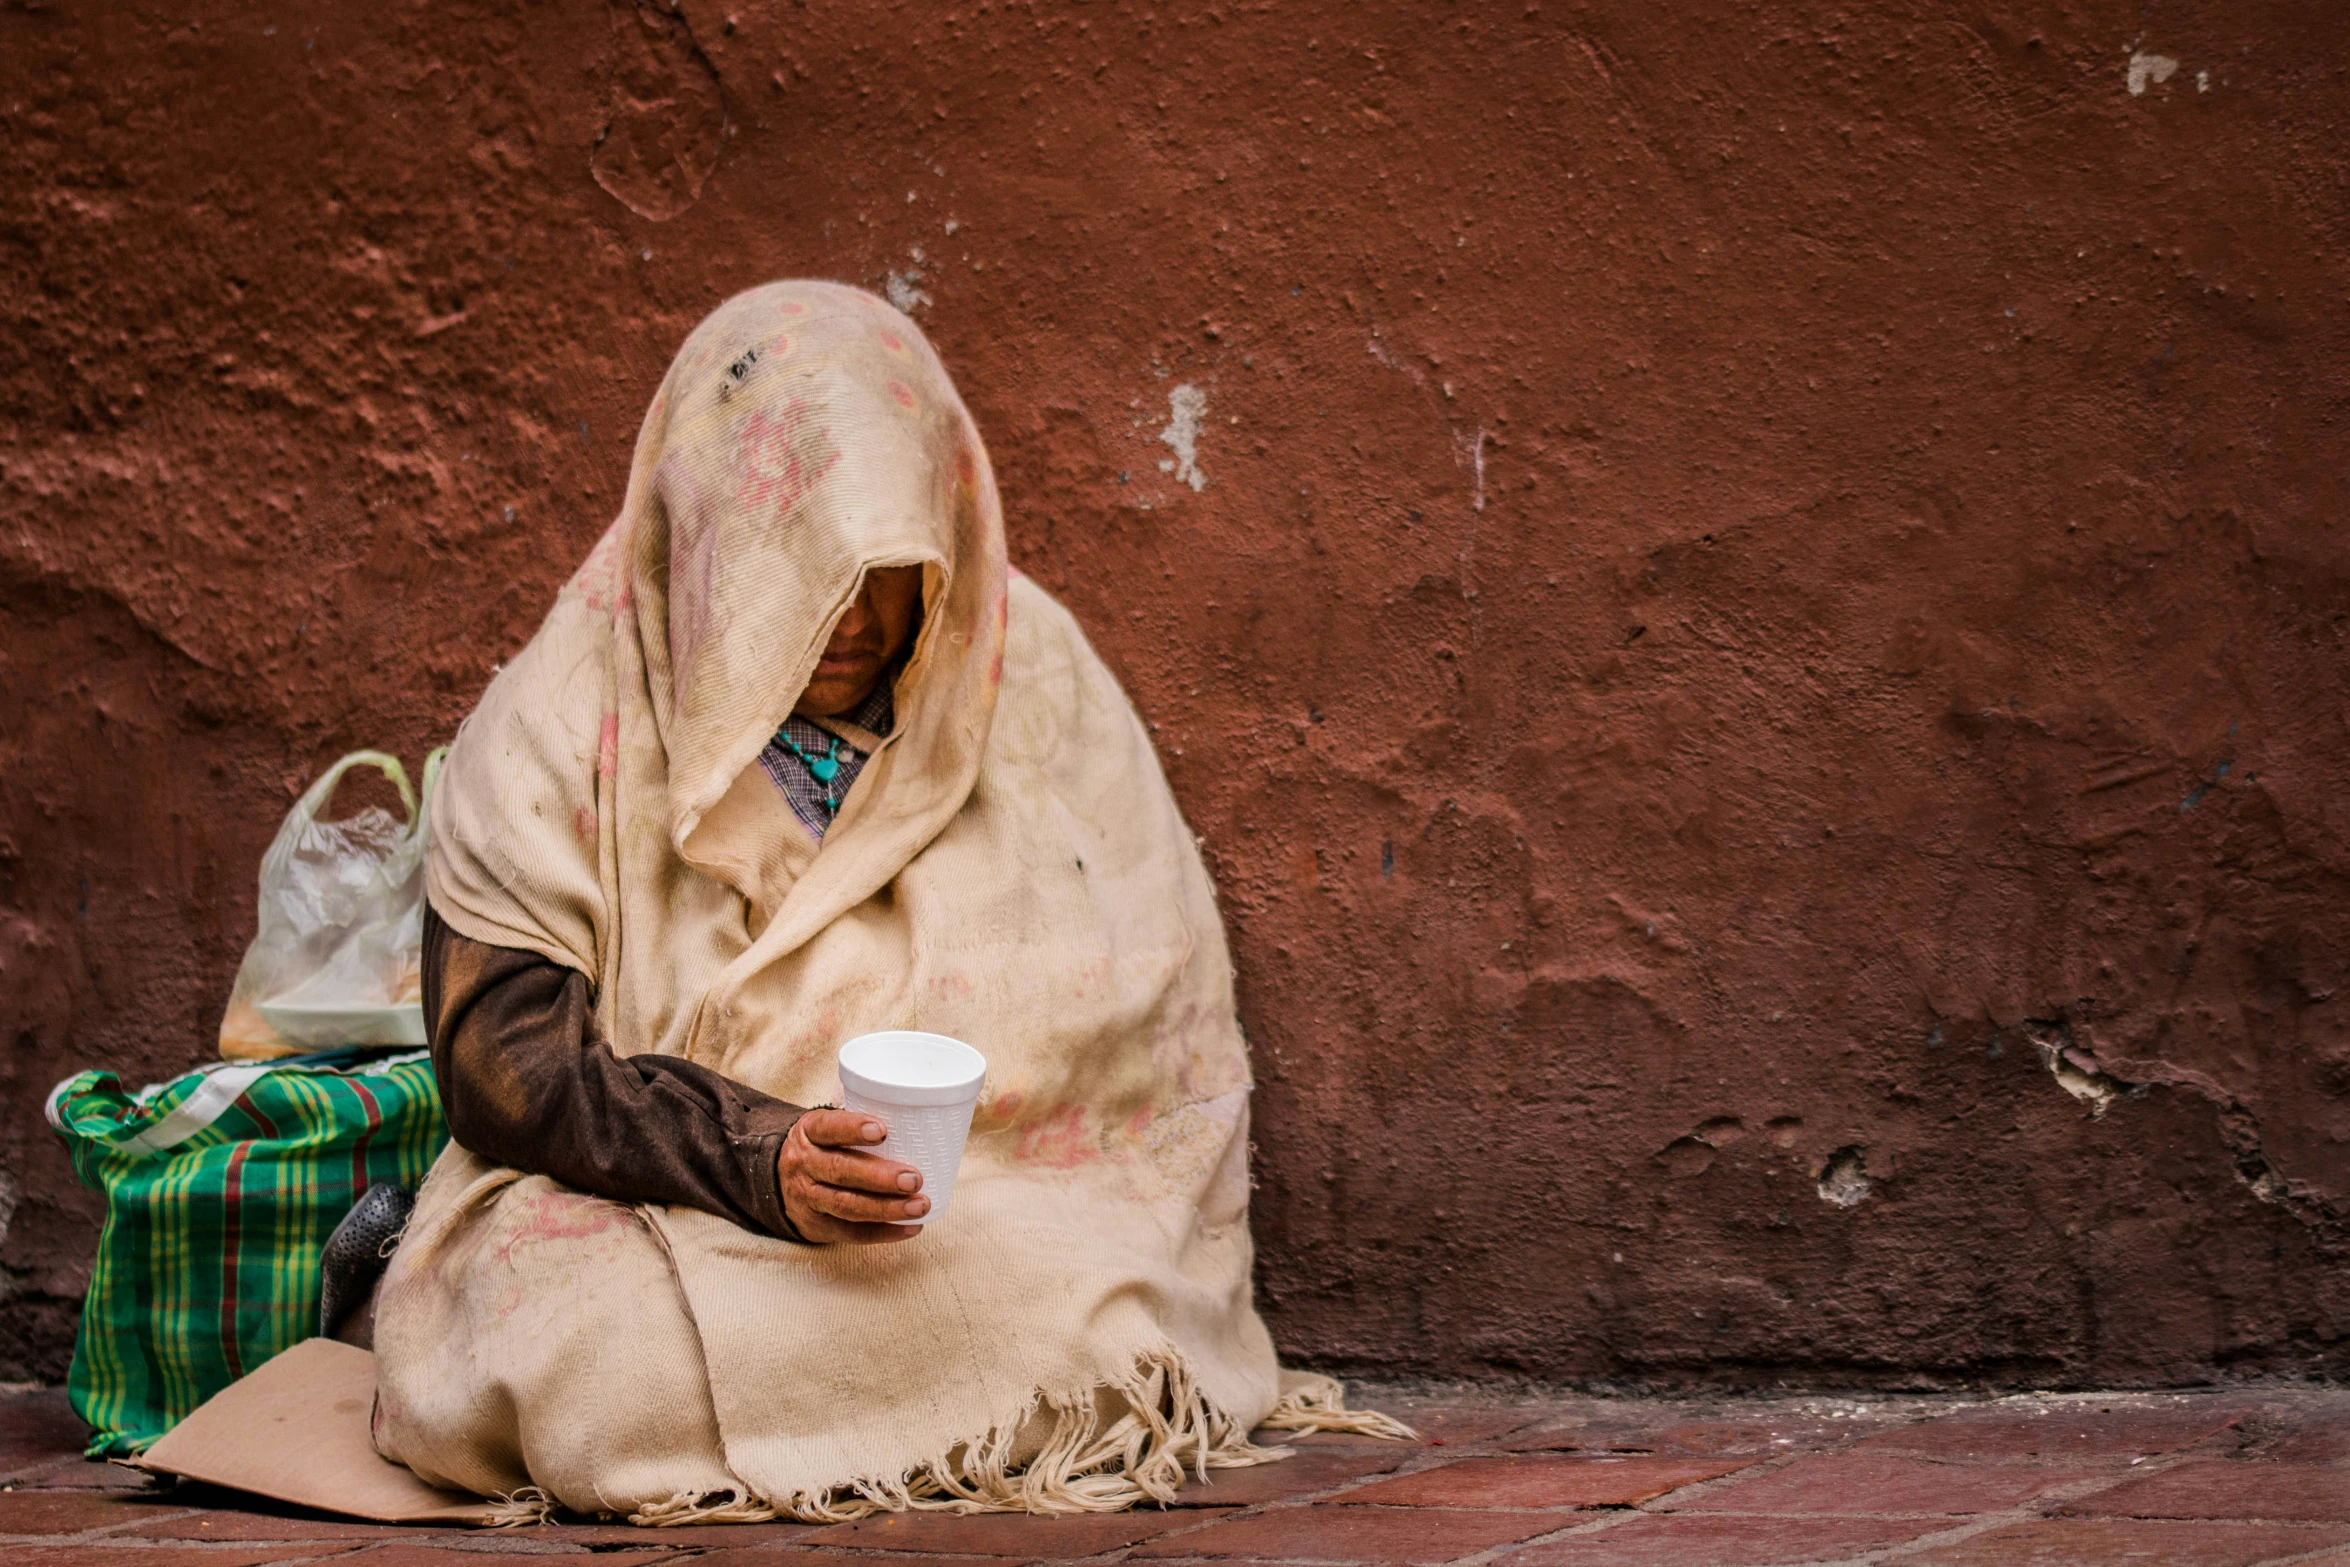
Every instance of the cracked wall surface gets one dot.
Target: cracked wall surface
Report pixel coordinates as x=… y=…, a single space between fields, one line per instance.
x=1761 y=671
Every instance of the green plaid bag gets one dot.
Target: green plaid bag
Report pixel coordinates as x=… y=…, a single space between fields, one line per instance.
x=221 y=1187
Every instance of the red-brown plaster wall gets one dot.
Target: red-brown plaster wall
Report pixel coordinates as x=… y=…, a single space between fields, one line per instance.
x=1762 y=568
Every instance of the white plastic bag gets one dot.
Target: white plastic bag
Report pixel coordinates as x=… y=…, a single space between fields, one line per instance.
x=337 y=957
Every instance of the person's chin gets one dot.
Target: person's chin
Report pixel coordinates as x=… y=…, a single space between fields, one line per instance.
x=829 y=696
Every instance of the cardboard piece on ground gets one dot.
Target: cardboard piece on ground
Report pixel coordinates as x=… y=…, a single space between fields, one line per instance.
x=296 y=1430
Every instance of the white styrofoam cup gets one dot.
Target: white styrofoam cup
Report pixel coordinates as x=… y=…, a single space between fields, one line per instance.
x=924 y=1088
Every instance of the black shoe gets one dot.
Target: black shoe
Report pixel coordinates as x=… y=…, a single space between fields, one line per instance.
x=357 y=1251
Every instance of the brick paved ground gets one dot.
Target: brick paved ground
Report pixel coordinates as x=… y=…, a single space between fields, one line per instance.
x=2213 y=1479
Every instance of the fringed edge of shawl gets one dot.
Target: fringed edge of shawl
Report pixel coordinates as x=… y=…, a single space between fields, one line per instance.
x=520 y=1508
x=1318 y=1403
x=1168 y=1432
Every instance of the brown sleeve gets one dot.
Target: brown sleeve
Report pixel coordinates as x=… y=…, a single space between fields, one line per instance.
x=525 y=1082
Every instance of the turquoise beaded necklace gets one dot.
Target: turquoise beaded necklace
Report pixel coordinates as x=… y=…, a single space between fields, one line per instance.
x=823 y=768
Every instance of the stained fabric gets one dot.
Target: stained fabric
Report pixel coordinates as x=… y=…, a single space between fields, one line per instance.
x=1008 y=868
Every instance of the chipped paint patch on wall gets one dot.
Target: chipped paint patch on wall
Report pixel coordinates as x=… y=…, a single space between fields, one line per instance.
x=900 y=288
x=1186 y=404
x=1843 y=1180
x=2145 y=68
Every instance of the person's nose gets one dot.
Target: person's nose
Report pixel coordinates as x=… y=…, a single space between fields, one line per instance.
x=855 y=623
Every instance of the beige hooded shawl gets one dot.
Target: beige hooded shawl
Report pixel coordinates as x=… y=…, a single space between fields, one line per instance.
x=1076 y=1330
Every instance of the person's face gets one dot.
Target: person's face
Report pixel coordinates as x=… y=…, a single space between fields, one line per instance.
x=874 y=631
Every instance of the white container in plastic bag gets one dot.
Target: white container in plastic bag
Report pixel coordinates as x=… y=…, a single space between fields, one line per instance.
x=337 y=957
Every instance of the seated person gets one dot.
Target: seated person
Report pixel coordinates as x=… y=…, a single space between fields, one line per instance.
x=794 y=758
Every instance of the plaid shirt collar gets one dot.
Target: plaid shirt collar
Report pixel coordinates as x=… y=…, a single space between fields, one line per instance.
x=816 y=802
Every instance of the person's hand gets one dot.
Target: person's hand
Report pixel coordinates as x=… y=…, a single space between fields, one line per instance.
x=833 y=1190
